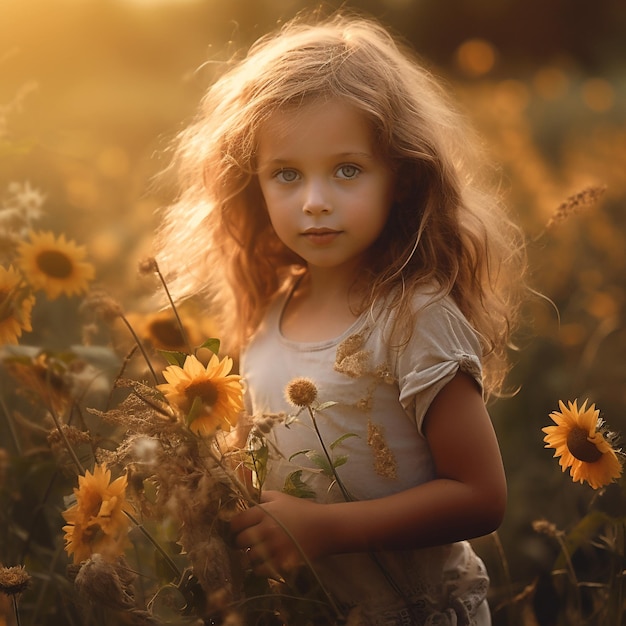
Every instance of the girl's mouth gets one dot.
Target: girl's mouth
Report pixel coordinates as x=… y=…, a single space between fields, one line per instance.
x=321 y=236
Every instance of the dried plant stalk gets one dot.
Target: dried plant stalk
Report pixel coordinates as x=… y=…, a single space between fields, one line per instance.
x=584 y=199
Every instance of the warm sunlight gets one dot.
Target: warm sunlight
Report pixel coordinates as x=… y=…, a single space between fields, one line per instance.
x=126 y=459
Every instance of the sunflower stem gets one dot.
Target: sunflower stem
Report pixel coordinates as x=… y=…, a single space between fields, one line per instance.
x=495 y=536
x=141 y=347
x=11 y=425
x=618 y=577
x=59 y=427
x=346 y=495
x=306 y=561
x=154 y=543
x=240 y=486
x=349 y=498
x=179 y=322
x=16 y=610
x=572 y=573
x=117 y=378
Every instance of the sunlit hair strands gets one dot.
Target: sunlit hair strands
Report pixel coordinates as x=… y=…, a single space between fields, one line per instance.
x=446 y=227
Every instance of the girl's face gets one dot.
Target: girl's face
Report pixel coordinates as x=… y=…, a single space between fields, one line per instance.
x=327 y=191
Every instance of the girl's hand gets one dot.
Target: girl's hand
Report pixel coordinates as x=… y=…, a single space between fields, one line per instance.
x=279 y=531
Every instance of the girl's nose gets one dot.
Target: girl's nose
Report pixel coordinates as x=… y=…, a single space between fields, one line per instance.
x=316 y=199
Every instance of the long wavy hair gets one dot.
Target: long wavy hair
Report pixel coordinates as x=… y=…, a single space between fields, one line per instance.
x=446 y=228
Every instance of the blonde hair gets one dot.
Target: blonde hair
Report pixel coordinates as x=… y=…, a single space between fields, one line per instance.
x=446 y=228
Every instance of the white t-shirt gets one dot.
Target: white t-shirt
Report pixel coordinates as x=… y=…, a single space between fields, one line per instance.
x=381 y=393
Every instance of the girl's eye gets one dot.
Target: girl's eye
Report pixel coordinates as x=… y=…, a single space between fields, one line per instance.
x=348 y=172
x=286 y=176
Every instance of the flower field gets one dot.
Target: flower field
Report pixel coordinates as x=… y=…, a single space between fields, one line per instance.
x=119 y=460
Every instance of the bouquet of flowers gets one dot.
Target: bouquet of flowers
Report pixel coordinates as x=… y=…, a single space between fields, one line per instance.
x=156 y=467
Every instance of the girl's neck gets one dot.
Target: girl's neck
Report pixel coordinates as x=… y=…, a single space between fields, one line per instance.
x=322 y=306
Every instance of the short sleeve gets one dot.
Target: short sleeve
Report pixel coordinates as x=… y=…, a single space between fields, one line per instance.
x=443 y=343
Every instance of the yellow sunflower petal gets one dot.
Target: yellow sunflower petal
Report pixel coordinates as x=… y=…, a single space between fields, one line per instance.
x=208 y=396
x=581 y=446
x=173 y=375
x=54 y=265
x=193 y=367
x=98 y=521
x=16 y=306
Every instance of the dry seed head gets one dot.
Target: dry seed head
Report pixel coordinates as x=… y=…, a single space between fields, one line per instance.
x=265 y=422
x=73 y=435
x=301 y=392
x=574 y=204
x=148 y=266
x=13 y=580
x=108 y=583
x=212 y=567
x=103 y=305
x=546 y=528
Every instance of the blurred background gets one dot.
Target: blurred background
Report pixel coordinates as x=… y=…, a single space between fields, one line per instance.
x=94 y=90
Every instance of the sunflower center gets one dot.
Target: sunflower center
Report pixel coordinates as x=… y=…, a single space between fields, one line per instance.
x=203 y=389
x=55 y=264
x=166 y=332
x=581 y=447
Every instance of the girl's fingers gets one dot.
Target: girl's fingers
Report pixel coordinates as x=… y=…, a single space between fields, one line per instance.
x=248 y=538
x=245 y=519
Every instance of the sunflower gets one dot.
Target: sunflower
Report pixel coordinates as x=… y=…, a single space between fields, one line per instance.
x=583 y=444
x=16 y=305
x=209 y=398
x=97 y=523
x=161 y=329
x=54 y=265
x=44 y=377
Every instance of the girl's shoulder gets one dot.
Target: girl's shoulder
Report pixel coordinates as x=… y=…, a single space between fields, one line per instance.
x=430 y=322
x=426 y=302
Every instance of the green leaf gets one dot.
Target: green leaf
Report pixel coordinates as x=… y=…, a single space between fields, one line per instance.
x=320 y=460
x=295 y=486
x=340 y=460
x=325 y=405
x=335 y=443
x=295 y=454
x=211 y=344
x=259 y=458
x=174 y=357
x=582 y=533
x=194 y=411
x=291 y=419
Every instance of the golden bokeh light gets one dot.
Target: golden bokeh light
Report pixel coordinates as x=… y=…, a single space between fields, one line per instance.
x=598 y=94
x=476 y=57
x=551 y=83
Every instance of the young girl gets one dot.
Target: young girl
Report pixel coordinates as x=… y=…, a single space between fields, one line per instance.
x=331 y=204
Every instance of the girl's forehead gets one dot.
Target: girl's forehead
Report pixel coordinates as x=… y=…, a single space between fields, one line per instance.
x=305 y=118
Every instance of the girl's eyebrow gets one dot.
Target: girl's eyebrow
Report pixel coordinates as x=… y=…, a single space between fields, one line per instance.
x=281 y=160
x=360 y=155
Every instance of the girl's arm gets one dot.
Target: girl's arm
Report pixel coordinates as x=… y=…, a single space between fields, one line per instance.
x=467 y=499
